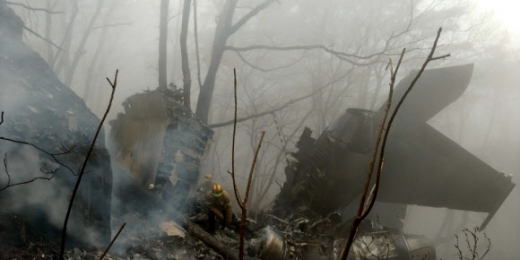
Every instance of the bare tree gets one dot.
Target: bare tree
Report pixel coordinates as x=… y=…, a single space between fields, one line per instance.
x=163 y=36
x=184 y=54
x=225 y=28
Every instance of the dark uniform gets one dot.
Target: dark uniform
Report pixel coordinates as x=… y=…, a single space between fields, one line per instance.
x=219 y=207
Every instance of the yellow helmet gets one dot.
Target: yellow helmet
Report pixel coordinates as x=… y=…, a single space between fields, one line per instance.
x=217 y=190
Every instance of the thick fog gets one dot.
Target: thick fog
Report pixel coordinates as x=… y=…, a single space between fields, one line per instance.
x=303 y=62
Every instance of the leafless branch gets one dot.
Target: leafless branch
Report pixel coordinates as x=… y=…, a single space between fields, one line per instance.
x=269 y=69
x=9 y=185
x=32 y=8
x=235 y=27
x=488 y=246
x=7 y=173
x=348 y=57
x=242 y=203
x=65 y=42
x=235 y=188
x=41 y=37
x=84 y=165
x=52 y=155
x=363 y=210
x=196 y=36
x=389 y=125
x=110 y=25
x=112 y=241
x=226 y=123
x=2 y=118
x=472 y=239
x=268 y=184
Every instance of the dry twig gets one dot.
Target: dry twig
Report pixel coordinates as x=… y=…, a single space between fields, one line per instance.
x=112 y=242
x=32 y=8
x=84 y=165
x=366 y=206
x=52 y=155
x=472 y=238
x=242 y=203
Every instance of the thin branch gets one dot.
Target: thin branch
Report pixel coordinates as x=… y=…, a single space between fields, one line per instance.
x=2 y=118
x=32 y=8
x=52 y=155
x=243 y=204
x=362 y=202
x=235 y=27
x=9 y=185
x=338 y=54
x=235 y=188
x=390 y=122
x=440 y=57
x=110 y=25
x=488 y=246
x=65 y=42
x=7 y=173
x=84 y=165
x=112 y=242
x=41 y=37
x=269 y=69
x=196 y=36
x=266 y=186
x=367 y=210
x=226 y=123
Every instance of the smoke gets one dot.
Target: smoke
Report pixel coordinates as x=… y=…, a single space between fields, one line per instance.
x=483 y=121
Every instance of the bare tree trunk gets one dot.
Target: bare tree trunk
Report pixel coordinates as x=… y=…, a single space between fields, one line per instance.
x=225 y=28
x=100 y=47
x=184 y=54
x=222 y=33
x=81 y=48
x=66 y=42
x=48 y=28
x=163 y=36
x=195 y=35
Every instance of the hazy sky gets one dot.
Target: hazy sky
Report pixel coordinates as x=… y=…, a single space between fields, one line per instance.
x=507 y=12
x=481 y=121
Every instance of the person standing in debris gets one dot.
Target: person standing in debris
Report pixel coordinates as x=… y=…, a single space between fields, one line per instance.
x=219 y=207
x=206 y=185
x=198 y=201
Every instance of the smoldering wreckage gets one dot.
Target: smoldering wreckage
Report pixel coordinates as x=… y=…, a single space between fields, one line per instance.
x=157 y=145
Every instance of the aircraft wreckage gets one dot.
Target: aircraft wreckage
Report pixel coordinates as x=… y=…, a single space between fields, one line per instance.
x=422 y=167
x=158 y=145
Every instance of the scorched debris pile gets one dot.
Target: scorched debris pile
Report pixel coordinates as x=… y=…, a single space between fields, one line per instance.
x=157 y=144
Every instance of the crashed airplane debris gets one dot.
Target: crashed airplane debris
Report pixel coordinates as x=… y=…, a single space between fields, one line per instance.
x=422 y=166
x=157 y=143
x=300 y=226
x=328 y=172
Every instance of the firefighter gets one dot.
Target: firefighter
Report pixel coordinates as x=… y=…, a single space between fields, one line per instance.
x=206 y=184
x=219 y=207
x=199 y=200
